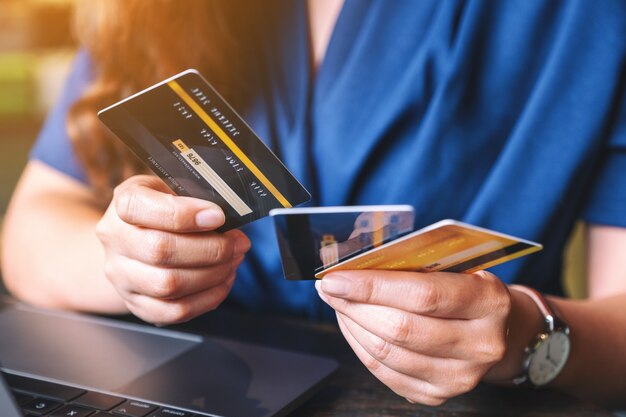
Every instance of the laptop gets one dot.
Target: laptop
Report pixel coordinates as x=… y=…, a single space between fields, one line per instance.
x=8 y=407
x=67 y=364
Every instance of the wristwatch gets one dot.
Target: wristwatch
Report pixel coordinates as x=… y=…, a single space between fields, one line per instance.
x=547 y=354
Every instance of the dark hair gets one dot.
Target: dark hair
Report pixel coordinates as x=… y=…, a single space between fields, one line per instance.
x=135 y=43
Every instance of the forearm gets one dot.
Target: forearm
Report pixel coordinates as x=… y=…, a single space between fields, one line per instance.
x=51 y=256
x=596 y=367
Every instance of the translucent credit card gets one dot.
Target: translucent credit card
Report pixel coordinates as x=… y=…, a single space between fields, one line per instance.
x=190 y=137
x=448 y=245
x=311 y=239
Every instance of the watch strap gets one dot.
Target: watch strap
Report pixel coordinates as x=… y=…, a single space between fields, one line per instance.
x=547 y=309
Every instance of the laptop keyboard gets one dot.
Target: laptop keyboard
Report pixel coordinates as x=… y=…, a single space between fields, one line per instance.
x=41 y=398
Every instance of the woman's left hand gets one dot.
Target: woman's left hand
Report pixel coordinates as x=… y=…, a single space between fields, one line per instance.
x=427 y=336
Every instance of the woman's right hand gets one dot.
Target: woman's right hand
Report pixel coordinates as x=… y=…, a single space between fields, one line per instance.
x=162 y=254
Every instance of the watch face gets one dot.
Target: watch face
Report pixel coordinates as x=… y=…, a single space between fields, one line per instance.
x=549 y=357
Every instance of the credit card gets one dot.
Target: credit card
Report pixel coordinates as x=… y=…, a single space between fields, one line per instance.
x=185 y=132
x=448 y=245
x=311 y=239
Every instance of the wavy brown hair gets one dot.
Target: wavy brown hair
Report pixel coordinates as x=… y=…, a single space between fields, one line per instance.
x=136 y=43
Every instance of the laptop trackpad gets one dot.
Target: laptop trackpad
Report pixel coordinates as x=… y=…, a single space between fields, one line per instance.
x=85 y=351
x=213 y=377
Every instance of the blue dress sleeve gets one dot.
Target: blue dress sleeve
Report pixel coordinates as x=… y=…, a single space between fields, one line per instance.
x=53 y=146
x=607 y=201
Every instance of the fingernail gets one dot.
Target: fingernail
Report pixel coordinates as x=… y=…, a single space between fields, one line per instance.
x=323 y=296
x=210 y=218
x=242 y=245
x=336 y=285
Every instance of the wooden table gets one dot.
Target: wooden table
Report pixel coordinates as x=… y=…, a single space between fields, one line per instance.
x=354 y=392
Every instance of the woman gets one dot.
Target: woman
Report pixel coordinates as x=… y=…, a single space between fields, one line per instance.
x=508 y=115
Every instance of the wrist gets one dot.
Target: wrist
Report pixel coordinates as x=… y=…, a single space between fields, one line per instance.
x=523 y=324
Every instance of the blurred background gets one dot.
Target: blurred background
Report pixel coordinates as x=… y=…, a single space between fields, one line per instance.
x=36 y=49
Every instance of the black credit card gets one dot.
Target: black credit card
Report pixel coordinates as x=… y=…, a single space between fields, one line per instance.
x=313 y=239
x=190 y=137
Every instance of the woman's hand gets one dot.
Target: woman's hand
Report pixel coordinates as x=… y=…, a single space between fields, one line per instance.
x=162 y=254
x=429 y=337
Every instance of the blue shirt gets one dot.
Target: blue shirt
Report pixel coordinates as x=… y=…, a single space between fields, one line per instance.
x=509 y=115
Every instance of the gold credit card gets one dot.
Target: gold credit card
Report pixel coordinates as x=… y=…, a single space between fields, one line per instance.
x=448 y=245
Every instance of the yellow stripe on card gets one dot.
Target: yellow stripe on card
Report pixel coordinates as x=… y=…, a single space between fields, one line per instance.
x=228 y=142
